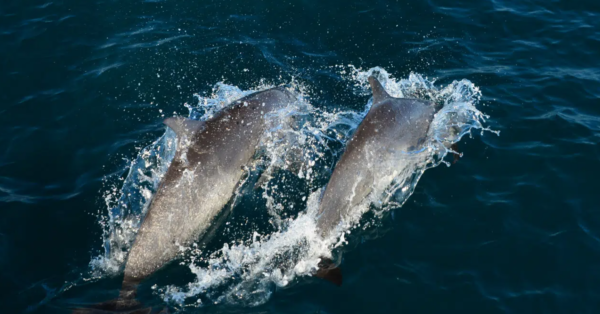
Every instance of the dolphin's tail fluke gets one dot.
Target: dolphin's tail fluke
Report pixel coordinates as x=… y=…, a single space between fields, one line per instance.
x=329 y=271
x=114 y=307
x=125 y=304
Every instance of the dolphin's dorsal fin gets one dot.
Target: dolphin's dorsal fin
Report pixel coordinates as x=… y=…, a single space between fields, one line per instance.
x=184 y=126
x=379 y=93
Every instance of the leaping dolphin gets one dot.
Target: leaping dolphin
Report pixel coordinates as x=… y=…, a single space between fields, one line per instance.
x=207 y=167
x=391 y=128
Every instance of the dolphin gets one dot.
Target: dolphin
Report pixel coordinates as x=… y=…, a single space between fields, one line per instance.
x=391 y=128
x=200 y=181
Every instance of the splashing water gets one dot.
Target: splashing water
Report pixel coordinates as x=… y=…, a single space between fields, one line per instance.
x=292 y=127
x=299 y=142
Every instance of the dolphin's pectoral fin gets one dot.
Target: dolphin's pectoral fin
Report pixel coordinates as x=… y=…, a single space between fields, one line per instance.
x=457 y=154
x=265 y=177
x=295 y=159
x=329 y=271
x=184 y=126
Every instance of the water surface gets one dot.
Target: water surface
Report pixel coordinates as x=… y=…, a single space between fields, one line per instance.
x=512 y=227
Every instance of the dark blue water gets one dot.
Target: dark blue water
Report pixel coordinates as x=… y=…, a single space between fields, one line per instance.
x=513 y=227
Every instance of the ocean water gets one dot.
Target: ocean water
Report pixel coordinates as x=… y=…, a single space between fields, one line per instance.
x=512 y=227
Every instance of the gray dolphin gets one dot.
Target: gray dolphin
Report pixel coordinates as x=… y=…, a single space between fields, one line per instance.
x=392 y=127
x=206 y=169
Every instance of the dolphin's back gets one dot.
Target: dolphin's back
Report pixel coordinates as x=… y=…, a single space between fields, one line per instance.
x=393 y=128
x=201 y=179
